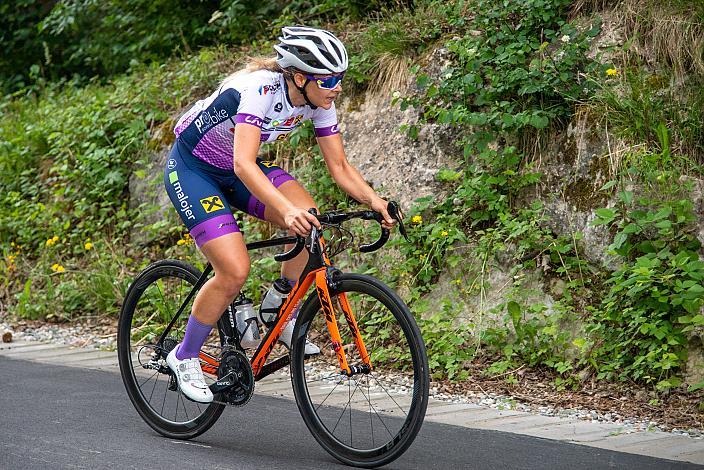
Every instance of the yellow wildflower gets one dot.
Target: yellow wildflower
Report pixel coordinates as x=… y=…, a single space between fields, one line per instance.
x=612 y=72
x=416 y=219
x=88 y=245
x=444 y=233
x=181 y=242
x=57 y=268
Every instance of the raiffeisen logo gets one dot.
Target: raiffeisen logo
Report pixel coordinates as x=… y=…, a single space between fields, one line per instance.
x=184 y=206
x=209 y=118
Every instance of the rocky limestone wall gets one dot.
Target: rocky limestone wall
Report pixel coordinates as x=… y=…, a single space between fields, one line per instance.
x=574 y=167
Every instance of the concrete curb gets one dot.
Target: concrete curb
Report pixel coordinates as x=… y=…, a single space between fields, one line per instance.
x=601 y=435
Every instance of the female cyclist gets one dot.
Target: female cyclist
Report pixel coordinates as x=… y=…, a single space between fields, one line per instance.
x=214 y=164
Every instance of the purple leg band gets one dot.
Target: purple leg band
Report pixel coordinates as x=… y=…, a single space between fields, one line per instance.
x=277 y=177
x=193 y=339
x=214 y=228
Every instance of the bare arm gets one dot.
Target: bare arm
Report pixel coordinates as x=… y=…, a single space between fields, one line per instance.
x=349 y=178
x=245 y=165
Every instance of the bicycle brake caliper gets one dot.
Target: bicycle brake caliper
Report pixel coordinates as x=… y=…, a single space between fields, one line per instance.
x=331 y=276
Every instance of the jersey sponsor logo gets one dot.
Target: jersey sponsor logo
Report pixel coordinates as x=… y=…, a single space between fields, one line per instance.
x=227 y=224
x=278 y=107
x=273 y=88
x=183 y=205
x=209 y=118
x=268 y=164
x=290 y=121
x=334 y=129
x=293 y=120
x=282 y=136
x=171 y=164
x=212 y=204
x=249 y=119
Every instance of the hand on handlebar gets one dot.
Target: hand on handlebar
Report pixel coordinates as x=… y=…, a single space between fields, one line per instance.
x=300 y=221
x=381 y=206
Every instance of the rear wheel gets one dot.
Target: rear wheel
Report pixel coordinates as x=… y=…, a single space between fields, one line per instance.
x=151 y=302
x=371 y=418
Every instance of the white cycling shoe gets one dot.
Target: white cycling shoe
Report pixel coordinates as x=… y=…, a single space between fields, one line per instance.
x=287 y=334
x=190 y=377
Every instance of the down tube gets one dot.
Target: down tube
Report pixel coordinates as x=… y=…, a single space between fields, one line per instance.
x=262 y=353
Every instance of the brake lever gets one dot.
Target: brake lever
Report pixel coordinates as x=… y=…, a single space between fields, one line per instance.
x=395 y=212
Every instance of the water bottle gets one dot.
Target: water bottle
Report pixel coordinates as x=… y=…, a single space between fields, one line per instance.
x=246 y=319
x=273 y=301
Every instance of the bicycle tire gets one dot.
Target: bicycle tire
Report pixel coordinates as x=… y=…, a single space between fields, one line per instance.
x=401 y=326
x=142 y=296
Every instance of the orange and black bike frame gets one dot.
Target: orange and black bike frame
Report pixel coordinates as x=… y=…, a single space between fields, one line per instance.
x=320 y=272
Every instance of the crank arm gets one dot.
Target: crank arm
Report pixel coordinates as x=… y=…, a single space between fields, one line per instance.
x=224 y=383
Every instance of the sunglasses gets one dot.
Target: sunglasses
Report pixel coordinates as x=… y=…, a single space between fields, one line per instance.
x=326 y=83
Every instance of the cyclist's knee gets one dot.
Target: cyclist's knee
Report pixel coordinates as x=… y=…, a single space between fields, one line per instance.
x=230 y=281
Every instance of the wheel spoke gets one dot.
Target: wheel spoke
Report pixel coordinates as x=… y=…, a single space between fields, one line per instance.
x=328 y=396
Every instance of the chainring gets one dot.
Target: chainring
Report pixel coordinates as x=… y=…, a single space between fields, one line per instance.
x=234 y=361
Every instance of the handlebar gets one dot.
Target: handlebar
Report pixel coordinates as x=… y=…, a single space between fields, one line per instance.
x=336 y=218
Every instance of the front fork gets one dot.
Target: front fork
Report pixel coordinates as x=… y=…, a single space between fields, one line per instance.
x=324 y=278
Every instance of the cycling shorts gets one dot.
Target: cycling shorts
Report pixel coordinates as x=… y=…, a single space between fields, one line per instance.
x=202 y=193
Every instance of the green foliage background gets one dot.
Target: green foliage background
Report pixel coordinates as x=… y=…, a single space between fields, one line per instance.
x=93 y=90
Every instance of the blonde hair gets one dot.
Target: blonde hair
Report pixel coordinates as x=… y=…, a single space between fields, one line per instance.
x=258 y=63
x=263 y=63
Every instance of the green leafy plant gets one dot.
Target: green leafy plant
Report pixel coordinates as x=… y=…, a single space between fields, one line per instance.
x=656 y=295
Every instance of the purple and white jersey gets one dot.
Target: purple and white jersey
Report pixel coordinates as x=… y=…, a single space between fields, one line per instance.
x=259 y=98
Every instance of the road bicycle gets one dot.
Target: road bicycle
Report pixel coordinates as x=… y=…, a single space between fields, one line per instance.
x=363 y=397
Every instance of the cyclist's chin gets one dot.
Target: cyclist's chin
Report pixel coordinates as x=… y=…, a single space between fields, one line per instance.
x=326 y=103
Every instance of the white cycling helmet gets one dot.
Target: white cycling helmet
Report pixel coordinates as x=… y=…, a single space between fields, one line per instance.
x=311 y=50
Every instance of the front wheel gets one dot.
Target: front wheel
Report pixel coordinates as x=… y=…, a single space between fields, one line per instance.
x=371 y=418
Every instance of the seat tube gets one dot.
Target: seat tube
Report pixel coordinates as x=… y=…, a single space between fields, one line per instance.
x=326 y=303
x=352 y=322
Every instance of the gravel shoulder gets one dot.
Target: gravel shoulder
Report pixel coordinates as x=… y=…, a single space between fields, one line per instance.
x=635 y=408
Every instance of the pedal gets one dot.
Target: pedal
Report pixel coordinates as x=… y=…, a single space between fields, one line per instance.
x=173 y=382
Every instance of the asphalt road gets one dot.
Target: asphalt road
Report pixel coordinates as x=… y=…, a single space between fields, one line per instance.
x=61 y=418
